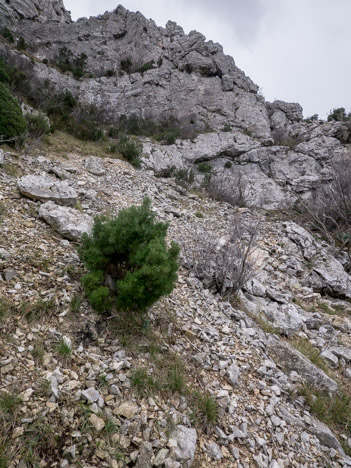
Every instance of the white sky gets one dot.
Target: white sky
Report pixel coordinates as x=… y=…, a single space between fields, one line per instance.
x=295 y=50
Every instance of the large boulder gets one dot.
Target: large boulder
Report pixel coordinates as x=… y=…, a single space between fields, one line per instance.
x=68 y=222
x=292 y=360
x=47 y=188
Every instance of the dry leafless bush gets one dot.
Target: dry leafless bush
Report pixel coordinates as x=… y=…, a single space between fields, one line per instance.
x=224 y=264
x=283 y=137
x=329 y=210
x=228 y=188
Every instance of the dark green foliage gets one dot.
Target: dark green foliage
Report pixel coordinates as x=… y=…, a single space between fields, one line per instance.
x=184 y=177
x=21 y=44
x=339 y=115
x=59 y=108
x=110 y=73
x=228 y=165
x=204 y=168
x=131 y=249
x=67 y=62
x=146 y=66
x=126 y=65
x=166 y=130
x=7 y=34
x=130 y=149
x=37 y=126
x=12 y=123
x=4 y=77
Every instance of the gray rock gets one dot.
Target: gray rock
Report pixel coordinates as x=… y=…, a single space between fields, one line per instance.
x=292 y=360
x=10 y=274
x=144 y=459
x=68 y=222
x=214 y=451
x=91 y=395
x=324 y=434
x=46 y=188
x=95 y=166
x=184 y=451
x=2 y=157
x=330 y=359
x=233 y=373
x=160 y=457
x=342 y=352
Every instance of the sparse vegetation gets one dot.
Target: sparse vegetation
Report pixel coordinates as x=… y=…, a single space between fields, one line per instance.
x=339 y=115
x=204 y=167
x=12 y=123
x=223 y=267
x=334 y=410
x=67 y=62
x=332 y=220
x=130 y=149
x=205 y=410
x=37 y=126
x=312 y=353
x=129 y=263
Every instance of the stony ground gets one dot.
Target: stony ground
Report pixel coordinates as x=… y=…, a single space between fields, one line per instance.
x=78 y=390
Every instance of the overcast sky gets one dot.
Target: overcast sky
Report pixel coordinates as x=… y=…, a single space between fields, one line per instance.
x=295 y=50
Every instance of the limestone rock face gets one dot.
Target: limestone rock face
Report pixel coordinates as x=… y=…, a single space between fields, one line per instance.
x=46 y=188
x=68 y=222
x=184 y=79
x=39 y=10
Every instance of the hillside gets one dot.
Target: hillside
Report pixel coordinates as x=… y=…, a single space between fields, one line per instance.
x=256 y=378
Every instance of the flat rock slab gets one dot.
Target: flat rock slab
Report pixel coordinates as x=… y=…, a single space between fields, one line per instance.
x=95 y=166
x=47 y=188
x=292 y=360
x=68 y=222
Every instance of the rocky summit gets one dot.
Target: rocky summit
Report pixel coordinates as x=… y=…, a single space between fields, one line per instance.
x=247 y=363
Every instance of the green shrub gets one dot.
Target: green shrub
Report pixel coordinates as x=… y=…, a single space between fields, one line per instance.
x=126 y=65
x=204 y=168
x=37 y=126
x=146 y=66
x=7 y=34
x=130 y=149
x=12 y=123
x=228 y=165
x=339 y=115
x=4 y=76
x=21 y=44
x=166 y=131
x=132 y=251
x=65 y=61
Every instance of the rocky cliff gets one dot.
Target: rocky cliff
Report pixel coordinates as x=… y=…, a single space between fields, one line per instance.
x=271 y=150
x=208 y=382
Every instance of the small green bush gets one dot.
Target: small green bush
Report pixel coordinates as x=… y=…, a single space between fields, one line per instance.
x=21 y=44
x=130 y=252
x=12 y=123
x=126 y=65
x=228 y=165
x=66 y=61
x=339 y=115
x=204 y=168
x=37 y=126
x=4 y=77
x=146 y=66
x=7 y=34
x=130 y=149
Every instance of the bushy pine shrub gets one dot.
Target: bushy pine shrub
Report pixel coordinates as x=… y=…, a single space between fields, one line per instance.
x=12 y=123
x=130 y=266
